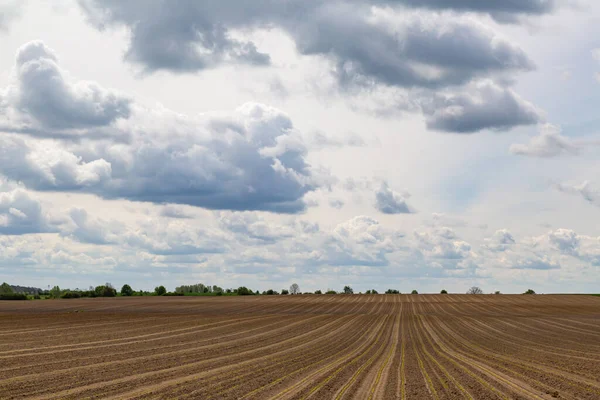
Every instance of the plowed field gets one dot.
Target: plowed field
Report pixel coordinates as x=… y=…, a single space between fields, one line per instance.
x=302 y=347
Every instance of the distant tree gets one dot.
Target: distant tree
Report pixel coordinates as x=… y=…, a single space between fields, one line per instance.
x=294 y=289
x=228 y=291
x=444 y=291
x=244 y=291
x=318 y=292
x=160 y=290
x=368 y=291
x=529 y=291
x=270 y=292
x=105 y=291
x=497 y=292
x=284 y=291
x=330 y=291
x=475 y=290
x=414 y=292
x=126 y=290
x=6 y=289
x=392 y=291
x=348 y=290
x=55 y=292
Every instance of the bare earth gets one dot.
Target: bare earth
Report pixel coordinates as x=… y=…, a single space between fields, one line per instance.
x=300 y=347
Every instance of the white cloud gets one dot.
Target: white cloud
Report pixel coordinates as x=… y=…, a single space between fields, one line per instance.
x=549 y=143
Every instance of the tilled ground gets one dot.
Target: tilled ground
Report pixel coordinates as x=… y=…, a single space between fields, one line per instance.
x=301 y=347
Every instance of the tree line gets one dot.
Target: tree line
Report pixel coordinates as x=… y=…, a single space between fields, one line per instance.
x=8 y=292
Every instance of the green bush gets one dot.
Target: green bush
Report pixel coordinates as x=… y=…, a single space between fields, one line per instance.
x=414 y=292
x=443 y=291
x=126 y=290
x=318 y=292
x=244 y=291
x=173 y=294
x=529 y=291
x=391 y=291
x=105 y=291
x=13 y=296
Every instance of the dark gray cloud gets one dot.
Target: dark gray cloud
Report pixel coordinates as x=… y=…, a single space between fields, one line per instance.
x=412 y=50
x=484 y=105
x=499 y=9
x=367 y=47
x=389 y=202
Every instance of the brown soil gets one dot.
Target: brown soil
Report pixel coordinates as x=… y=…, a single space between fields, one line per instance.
x=302 y=347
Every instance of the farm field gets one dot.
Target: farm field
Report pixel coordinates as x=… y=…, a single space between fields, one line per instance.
x=302 y=347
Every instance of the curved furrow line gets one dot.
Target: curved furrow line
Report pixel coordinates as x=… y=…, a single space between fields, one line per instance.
x=539 y=370
x=127 y=355
x=115 y=342
x=227 y=386
x=312 y=392
x=298 y=387
x=169 y=376
x=281 y=379
x=130 y=365
x=533 y=346
x=522 y=388
x=319 y=360
x=433 y=360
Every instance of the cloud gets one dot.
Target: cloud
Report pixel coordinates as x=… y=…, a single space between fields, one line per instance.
x=482 y=105
x=249 y=159
x=585 y=190
x=442 y=243
x=549 y=143
x=249 y=226
x=368 y=46
x=499 y=9
x=44 y=98
x=402 y=49
x=172 y=211
x=501 y=240
x=21 y=213
x=389 y=202
x=338 y=204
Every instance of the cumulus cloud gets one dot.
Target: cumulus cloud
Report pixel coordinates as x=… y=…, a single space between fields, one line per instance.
x=549 y=143
x=389 y=202
x=501 y=240
x=482 y=105
x=372 y=46
x=249 y=159
x=43 y=98
x=20 y=212
x=442 y=243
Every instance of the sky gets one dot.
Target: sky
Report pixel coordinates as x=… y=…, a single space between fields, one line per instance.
x=430 y=144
